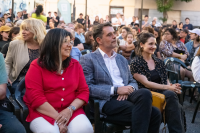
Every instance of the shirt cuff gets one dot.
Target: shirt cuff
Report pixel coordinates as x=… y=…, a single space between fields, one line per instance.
x=112 y=91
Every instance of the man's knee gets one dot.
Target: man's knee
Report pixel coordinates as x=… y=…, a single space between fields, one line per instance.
x=145 y=93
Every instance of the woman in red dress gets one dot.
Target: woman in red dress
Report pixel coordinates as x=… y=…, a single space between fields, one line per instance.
x=56 y=88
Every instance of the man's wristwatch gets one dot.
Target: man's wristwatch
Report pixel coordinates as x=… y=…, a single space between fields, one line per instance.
x=115 y=90
x=72 y=107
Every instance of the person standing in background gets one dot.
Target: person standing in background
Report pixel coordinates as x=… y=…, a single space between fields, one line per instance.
x=87 y=22
x=25 y=14
x=49 y=17
x=134 y=19
x=96 y=21
x=117 y=20
x=145 y=23
x=187 y=24
x=39 y=14
x=80 y=20
x=11 y=17
x=56 y=19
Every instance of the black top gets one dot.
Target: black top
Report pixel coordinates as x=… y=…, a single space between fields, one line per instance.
x=76 y=41
x=33 y=54
x=4 y=50
x=13 y=15
x=48 y=18
x=174 y=26
x=2 y=43
x=80 y=21
x=155 y=76
x=179 y=51
x=25 y=16
x=95 y=23
x=87 y=46
x=188 y=26
x=56 y=23
x=132 y=23
x=139 y=65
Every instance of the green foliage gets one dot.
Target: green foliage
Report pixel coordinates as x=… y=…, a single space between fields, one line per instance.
x=163 y=19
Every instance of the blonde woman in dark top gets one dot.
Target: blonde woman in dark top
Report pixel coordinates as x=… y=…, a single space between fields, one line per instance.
x=150 y=73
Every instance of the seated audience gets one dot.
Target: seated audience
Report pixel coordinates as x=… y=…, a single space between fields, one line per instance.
x=172 y=47
x=4 y=36
x=19 y=16
x=96 y=21
x=180 y=26
x=124 y=31
x=110 y=81
x=153 y=25
x=193 y=45
x=108 y=19
x=87 y=22
x=9 y=122
x=78 y=32
x=89 y=41
x=183 y=36
x=23 y=50
x=174 y=25
x=57 y=93
x=39 y=14
x=13 y=33
x=133 y=21
x=157 y=34
x=196 y=67
x=150 y=73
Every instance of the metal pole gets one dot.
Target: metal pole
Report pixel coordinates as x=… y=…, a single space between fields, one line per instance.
x=141 y=15
x=74 y=10
x=12 y=11
x=85 y=14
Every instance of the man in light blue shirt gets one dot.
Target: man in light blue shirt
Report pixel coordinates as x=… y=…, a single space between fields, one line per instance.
x=75 y=53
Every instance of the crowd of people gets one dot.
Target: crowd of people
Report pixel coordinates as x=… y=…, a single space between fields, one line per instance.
x=123 y=65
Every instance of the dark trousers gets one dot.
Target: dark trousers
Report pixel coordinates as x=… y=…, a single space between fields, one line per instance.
x=10 y=123
x=173 y=112
x=136 y=111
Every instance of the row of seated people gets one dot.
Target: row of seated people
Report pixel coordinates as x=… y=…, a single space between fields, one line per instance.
x=57 y=86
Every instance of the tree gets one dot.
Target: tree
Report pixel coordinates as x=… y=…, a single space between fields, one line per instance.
x=166 y=5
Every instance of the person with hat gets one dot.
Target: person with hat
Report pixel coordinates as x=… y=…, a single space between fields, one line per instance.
x=193 y=45
x=4 y=36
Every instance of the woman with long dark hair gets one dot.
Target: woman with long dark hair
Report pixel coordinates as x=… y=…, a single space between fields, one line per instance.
x=58 y=91
x=39 y=14
x=157 y=34
x=150 y=73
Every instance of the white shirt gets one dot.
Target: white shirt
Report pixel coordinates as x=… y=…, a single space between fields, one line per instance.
x=113 y=70
x=115 y=20
x=196 y=69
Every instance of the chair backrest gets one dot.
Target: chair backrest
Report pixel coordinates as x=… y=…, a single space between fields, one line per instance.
x=173 y=68
x=19 y=92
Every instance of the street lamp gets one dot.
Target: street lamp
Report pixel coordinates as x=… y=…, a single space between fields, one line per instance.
x=12 y=11
x=74 y=10
x=141 y=15
x=86 y=15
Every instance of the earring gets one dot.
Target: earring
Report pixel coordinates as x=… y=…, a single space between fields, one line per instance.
x=35 y=38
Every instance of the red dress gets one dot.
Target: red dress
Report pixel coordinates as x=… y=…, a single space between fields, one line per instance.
x=58 y=90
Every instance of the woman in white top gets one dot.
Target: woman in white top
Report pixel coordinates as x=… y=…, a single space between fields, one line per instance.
x=196 y=67
x=125 y=30
x=123 y=23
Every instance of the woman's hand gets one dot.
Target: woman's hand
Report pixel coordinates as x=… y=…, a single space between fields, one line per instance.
x=0 y=125
x=175 y=87
x=9 y=82
x=64 y=116
x=62 y=128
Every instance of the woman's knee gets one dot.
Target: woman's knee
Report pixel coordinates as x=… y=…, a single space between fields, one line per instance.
x=80 y=124
x=170 y=94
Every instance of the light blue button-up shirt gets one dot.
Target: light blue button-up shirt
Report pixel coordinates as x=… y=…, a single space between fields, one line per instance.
x=80 y=37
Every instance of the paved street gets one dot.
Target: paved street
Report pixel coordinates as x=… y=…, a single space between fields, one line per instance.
x=189 y=109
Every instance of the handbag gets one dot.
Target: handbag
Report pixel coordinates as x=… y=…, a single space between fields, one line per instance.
x=158 y=100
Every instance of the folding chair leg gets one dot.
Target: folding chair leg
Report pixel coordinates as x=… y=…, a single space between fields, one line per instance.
x=196 y=109
x=181 y=98
x=192 y=95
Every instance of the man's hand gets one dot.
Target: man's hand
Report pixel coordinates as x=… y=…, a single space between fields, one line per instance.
x=80 y=46
x=0 y=125
x=125 y=90
x=122 y=97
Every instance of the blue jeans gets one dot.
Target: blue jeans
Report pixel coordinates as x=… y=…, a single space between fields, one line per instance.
x=10 y=123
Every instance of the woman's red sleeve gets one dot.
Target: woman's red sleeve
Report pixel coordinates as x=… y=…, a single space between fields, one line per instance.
x=34 y=86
